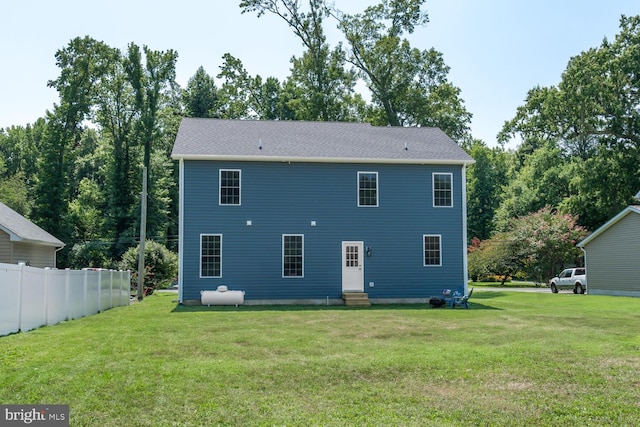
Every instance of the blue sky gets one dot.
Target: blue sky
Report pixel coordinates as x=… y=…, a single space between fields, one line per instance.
x=497 y=49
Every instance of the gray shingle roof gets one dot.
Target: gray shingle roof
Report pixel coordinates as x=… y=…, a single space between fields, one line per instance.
x=259 y=140
x=20 y=228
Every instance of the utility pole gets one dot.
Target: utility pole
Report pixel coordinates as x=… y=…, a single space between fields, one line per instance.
x=143 y=234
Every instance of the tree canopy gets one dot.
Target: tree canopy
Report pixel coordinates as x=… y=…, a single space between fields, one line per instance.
x=592 y=118
x=408 y=86
x=77 y=170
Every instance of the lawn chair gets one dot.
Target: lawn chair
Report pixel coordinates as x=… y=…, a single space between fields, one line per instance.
x=459 y=298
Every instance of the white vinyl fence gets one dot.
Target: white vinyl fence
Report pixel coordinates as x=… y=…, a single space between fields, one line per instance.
x=32 y=297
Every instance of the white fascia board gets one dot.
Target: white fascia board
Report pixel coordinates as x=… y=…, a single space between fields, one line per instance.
x=43 y=243
x=324 y=160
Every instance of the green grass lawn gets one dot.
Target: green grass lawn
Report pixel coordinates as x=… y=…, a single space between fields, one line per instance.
x=516 y=359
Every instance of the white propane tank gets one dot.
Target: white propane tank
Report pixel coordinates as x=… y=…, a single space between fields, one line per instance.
x=222 y=296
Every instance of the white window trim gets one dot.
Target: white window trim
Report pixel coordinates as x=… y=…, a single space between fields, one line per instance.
x=433 y=189
x=424 y=250
x=377 y=189
x=239 y=187
x=463 y=185
x=200 y=255
x=303 y=261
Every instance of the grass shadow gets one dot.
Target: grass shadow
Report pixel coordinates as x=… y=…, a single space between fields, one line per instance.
x=489 y=295
x=508 y=285
x=178 y=309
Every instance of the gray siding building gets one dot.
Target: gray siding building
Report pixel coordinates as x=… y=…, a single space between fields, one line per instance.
x=23 y=241
x=612 y=255
x=293 y=212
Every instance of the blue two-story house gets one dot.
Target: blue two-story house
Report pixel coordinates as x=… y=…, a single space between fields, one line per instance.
x=302 y=212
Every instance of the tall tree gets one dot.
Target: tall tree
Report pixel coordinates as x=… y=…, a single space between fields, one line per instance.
x=326 y=87
x=81 y=63
x=200 y=97
x=116 y=114
x=485 y=180
x=152 y=84
x=238 y=95
x=243 y=96
x=149 y=82
x=409 y=87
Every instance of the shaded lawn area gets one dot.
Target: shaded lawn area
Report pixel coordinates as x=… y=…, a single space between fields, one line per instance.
x=509 y=285
x=516 y=359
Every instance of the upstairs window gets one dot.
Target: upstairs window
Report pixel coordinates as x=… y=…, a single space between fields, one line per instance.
x=442 y=190
x=368 y=189
x=229 y=187
x=211 y=255
x=292 y=255
x=432 y=250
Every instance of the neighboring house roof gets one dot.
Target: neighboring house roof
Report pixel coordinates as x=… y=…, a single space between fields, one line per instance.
x=21 y=229
x=298 y=141
x=608 y=224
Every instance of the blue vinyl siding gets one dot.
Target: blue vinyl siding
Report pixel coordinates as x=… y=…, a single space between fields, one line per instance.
x=284 y=198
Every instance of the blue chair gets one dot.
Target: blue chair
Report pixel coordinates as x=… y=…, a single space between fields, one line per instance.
x=459 y=297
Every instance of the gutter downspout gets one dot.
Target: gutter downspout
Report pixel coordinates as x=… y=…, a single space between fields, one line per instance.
x=55 y=256
x=586 y=291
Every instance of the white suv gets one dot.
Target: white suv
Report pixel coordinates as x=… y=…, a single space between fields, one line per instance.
x=571 y=278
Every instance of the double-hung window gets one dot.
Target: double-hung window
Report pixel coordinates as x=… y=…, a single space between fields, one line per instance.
x=368 y=189
x=229 y=187
x=432 y=250
x=442 y=190
x=211 y=255
x=292 y=255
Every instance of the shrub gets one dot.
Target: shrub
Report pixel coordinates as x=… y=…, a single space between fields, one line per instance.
x=495 y=278
x=90 y=255
x=161 y=265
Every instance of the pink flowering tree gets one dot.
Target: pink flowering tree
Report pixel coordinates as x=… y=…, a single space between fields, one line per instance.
x=548 y=241
x=536 y=246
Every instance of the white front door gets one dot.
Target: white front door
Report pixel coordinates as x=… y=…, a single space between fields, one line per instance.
x=352 y=266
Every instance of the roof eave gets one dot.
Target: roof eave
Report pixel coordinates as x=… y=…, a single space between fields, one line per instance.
x=13 y=237
x=55 y=244
x=281 y=159
x=44 y=243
